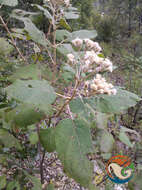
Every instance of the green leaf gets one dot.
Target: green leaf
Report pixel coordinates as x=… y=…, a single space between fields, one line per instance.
x=84 y=34
x=69 y=69
x=36 y=92
x=24 y=115
x=35 y=34
x=8 y=139
x=33 y=137
x=71 y=15
x=23 y=13
x=2 y=181
x=116 y=103
x=5 y=47
x=106 y=142
x=31 y=72
x=12 y=185
x=47 y=139
x=77 y=105
x=64 y=49
x=101 y=120
x=45 y=11
x=62 y=34
x=11 y=3
x=73 y=142
x=110 y=103
x=124 y=138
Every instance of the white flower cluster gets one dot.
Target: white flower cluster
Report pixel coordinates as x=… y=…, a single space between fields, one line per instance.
x=59 y=2
x=92 y=62
x=99 y=86
x=90 y=45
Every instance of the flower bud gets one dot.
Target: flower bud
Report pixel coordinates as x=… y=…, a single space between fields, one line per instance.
x=77 y=42
x=70 y=57
x=94 y=87
x=114 y=91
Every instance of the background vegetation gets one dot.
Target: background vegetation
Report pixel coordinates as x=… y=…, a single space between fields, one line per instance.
x=42 y=107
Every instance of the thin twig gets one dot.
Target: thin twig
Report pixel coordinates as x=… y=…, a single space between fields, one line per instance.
x=41 y=168
x=70 y=111
x=50 y=56
x=13 y=41
x=68 y=101
x=65 y=97
x=41 y=156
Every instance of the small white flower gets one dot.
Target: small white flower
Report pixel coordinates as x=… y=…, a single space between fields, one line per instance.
x=89 y=43
x=92 y=57
x=114 y=91
x=110 y=85
x=70 y=57
x=101 y=91
x=110 y=69
x=98 y=76
x=94 y=87
x=101 y=86
x=97 y=48
x=98 y=69
x=107 y=63
x=77 y=42
x=67 y=2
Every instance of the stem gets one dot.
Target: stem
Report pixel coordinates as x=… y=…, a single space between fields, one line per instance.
x=41 y=157
x=13 y=41
x=41 y=168
x=68 y=101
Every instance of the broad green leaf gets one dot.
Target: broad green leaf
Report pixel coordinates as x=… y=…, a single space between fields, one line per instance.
x=22 y=13
x=71 y=15
x=68 y=73
x=31 y=72
x=77 y=105
x=23 y=115
x=5 y=47
x=84 y=34
x=45 y=11
x=101 y=120
x=73 y=142
x=110 y=104
x=47 y=139
x=2 y=181
x=106 y=142
x=62 y=34
x=13 y=185
x=36 y=92
x=83 y=111
x=33 y=137
x=124 y=138
x=69 y=69
x=65 y=49
x=8 y=139
x=35 y=34
x=11 y=3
